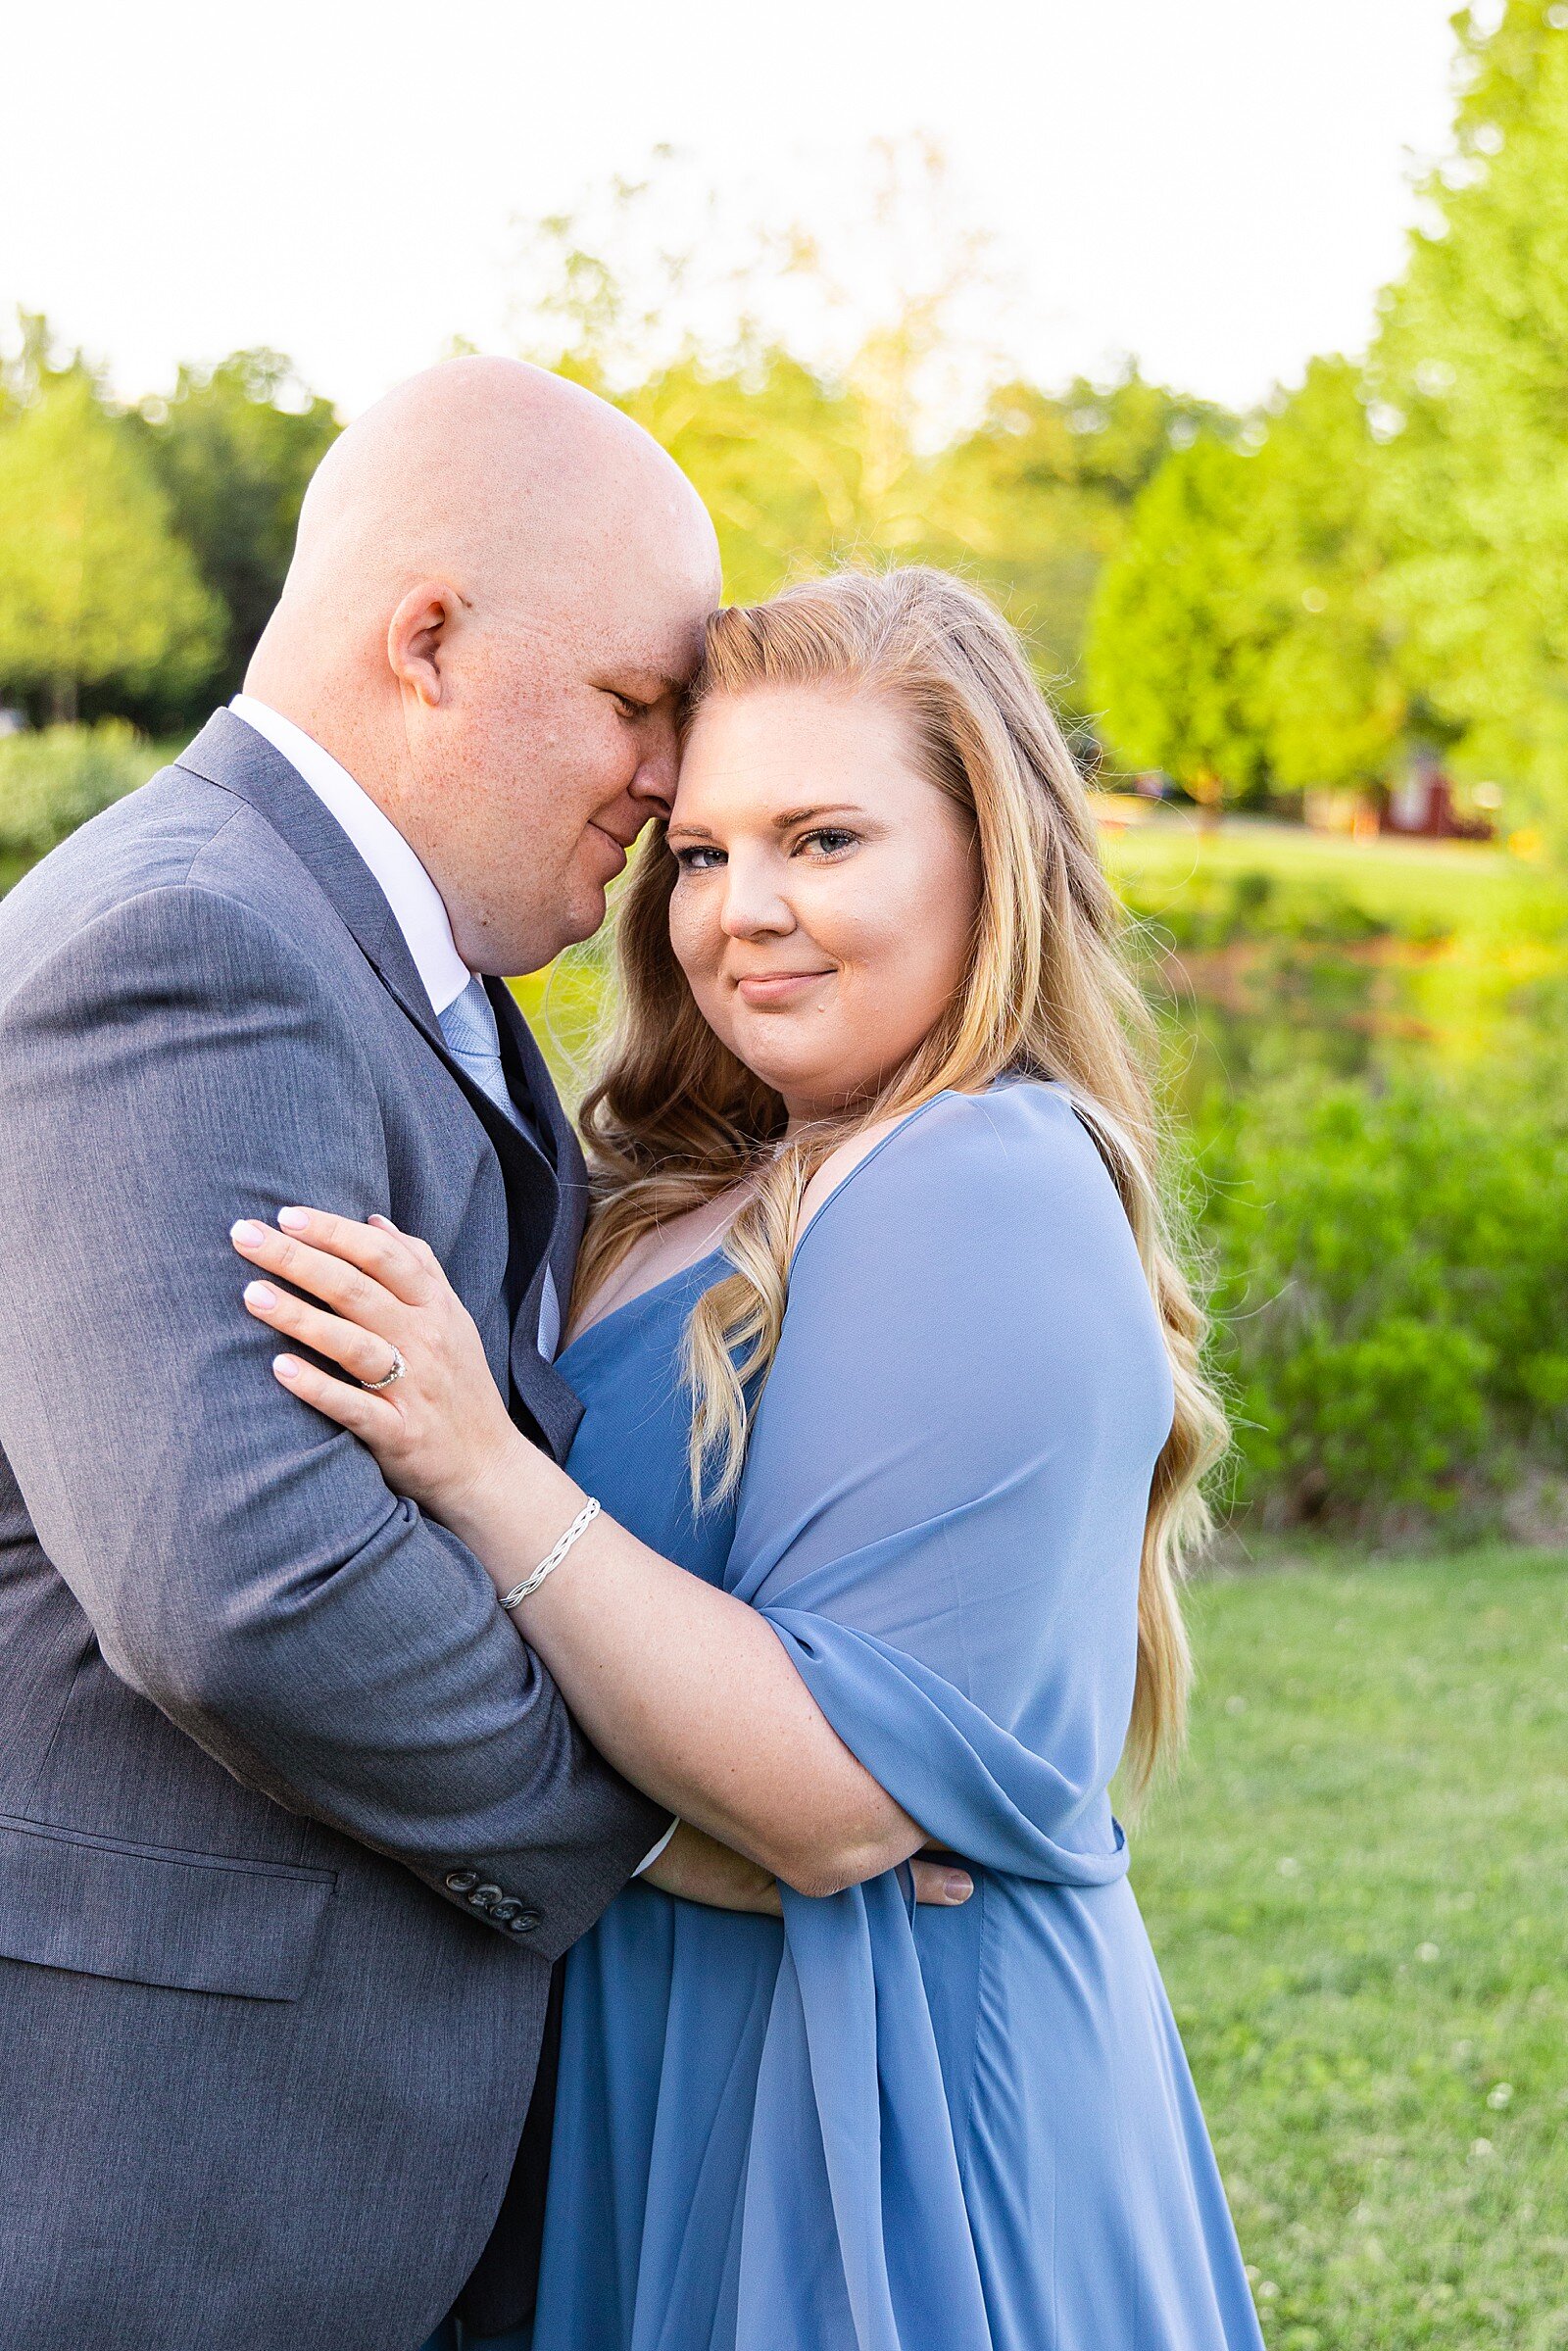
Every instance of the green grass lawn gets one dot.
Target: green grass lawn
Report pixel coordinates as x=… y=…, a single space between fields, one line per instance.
x=1452 y=886
x=1359 y=1892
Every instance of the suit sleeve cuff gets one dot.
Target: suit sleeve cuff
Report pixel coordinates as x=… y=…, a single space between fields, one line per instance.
x=648 y=1859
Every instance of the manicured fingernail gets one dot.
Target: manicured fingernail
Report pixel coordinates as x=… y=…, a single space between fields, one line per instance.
x=259 y=1293
x=385 y=1223
x=287 y=1367
x=294 y=1220
x=247 y=1232
x=957 y=1887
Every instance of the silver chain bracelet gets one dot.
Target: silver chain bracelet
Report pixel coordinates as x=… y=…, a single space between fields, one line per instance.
x=547 y=1567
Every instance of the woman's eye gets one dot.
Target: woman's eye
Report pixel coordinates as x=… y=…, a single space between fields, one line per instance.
x=829 y=839
x=699 y=859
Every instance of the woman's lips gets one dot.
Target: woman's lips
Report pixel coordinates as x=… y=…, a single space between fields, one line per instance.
x=777 y=987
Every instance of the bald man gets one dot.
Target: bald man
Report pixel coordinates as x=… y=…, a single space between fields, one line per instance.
x=292 y=1825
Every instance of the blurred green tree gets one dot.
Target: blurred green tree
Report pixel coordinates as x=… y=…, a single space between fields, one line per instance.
x=234 y=448
x=101 y=602
x=785 y=461
x=1178 y=642
x=803 y=462
x=1469 y=377
x=871 y=454
x=1240 y=641
x=24 y=371
x=1035 y=499
x=1335 y=705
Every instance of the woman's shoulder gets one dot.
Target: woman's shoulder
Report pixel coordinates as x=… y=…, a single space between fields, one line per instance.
x=969 y=1158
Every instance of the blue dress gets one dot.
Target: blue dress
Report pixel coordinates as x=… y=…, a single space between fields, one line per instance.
x=873 y=2128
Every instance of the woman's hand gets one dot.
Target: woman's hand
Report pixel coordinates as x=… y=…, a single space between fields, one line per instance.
x=681 y=1687
x=440 y=1431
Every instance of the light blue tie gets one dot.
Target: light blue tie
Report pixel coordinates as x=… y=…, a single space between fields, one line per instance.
x=468 y=1025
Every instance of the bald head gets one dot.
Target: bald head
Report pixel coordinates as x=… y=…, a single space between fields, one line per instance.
x=496 y=593
x=512 y=479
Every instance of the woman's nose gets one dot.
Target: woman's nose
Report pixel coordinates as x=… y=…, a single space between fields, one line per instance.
x=754 y=906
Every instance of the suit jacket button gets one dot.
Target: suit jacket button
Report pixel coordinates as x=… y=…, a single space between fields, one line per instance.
x=484 y=1897
x=462 y=1882
x=525 y=1922
x=504 y=1912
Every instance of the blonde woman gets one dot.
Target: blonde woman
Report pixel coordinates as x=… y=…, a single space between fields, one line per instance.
x=895 y=1417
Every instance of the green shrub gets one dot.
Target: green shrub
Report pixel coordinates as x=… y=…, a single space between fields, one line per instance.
x=1391 y=1292
x=52 y=781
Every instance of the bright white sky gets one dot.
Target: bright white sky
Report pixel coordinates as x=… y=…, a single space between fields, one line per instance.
x=1217 y=185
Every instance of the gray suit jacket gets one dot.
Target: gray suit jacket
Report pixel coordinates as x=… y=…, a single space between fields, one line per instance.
x=292 y=1824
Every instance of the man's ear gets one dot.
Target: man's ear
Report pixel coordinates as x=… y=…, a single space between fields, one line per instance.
x=416 y=637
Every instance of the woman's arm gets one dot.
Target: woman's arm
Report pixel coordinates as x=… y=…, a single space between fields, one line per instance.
x=687 y=1691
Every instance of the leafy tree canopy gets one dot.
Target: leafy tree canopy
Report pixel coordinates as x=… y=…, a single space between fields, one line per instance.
x=101 y=601
x=1037 y=498
x=1469 y=376
x=1175 y=655
x=234 y=449
x=807 y=462
x=1237 y=640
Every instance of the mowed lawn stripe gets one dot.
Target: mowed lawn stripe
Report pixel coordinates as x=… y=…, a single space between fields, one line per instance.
x=1359 y=1892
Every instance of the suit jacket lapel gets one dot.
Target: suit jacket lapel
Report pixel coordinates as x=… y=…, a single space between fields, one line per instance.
x=529 y=1076
x=234 y=756
x=237 y=759
x=529 y=1080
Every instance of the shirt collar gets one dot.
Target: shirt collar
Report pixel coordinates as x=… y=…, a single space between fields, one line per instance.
x=415 y=902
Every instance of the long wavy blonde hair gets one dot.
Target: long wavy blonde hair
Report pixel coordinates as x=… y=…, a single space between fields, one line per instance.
x=677 y=1118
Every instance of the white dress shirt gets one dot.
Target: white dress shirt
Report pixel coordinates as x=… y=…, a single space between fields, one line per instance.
x=407 y=888
x=415 y=902
x=419 y=909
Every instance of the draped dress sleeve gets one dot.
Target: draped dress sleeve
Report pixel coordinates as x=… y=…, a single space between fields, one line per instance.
x=941 y=1518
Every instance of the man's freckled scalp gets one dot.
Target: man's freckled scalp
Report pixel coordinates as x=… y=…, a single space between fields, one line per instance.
x=507 y=478
x=499 y=588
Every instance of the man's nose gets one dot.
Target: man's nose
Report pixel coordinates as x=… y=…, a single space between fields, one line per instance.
x=653 y=786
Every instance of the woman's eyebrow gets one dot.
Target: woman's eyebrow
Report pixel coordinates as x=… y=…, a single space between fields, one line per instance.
x=826 y=808
x=781 y=825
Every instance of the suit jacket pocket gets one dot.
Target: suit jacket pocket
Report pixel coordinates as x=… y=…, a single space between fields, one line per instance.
x=195 y=1922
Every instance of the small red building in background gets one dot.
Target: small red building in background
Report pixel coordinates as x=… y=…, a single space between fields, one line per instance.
x=1423 y=807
